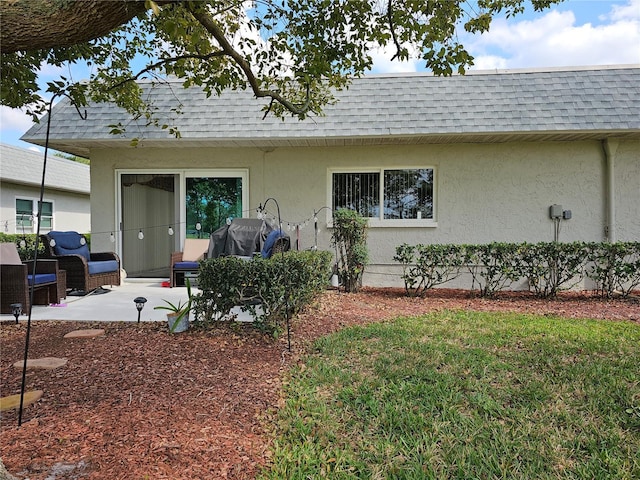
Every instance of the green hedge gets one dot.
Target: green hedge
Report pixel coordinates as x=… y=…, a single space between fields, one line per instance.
x=26 y=252
x=548 y=267
x=614 y=266
x=281 y=284
x=426 y=266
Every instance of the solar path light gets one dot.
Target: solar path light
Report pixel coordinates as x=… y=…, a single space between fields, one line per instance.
x=139 y=301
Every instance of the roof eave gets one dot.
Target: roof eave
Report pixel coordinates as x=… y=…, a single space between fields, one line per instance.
x=49 y=187
x=82 y=147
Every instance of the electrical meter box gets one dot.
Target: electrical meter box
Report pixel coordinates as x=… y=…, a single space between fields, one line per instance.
x=555 y=211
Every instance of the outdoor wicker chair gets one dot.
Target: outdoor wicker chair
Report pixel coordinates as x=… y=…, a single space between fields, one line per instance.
x=188 y=261
x=85 y=271
x=18 y=277
x=277 y=242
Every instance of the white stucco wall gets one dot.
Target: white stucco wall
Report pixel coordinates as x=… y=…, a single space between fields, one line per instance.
x=484 y=192
x=71 y=211
x=627 y=191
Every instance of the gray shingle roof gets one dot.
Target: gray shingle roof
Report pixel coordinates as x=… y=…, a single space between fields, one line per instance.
x=582 y=103
x=18 y=165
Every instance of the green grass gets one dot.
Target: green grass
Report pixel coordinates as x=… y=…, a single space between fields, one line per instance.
x=465 y=395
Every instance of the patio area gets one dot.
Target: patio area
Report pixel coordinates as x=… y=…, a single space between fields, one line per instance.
x=116 y=304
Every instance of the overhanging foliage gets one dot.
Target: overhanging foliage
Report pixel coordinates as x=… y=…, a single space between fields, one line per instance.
x=289 y=52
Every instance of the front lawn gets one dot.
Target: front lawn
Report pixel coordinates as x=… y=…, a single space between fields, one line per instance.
x=465 y=395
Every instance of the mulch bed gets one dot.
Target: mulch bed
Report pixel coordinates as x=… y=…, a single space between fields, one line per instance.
x=140 y=403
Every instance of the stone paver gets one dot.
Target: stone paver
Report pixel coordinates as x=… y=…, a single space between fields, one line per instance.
x=13 y=401
x=46 y=363
x=86 y=333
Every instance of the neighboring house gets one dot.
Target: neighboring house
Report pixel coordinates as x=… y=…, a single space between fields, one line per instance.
x=462 y=159
x=65 y=203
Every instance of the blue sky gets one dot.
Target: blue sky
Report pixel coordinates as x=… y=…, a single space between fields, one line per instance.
x=572 y=33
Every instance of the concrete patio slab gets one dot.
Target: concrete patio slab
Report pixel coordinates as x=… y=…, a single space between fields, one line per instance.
x=117 y=304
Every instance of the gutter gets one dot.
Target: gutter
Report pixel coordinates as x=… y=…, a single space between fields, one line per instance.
x=609 y=147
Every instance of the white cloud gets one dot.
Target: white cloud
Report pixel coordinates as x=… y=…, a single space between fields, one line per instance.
x=51 y=71
x=630 y=11
x=14 y=119
x=381 y=57
x=489 y=62
x=554 y=39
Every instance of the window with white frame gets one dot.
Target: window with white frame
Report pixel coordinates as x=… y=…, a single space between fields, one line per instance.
x=387 y=195
x=26 y=212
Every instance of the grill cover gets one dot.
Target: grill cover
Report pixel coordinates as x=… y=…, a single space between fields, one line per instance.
x=243 y=237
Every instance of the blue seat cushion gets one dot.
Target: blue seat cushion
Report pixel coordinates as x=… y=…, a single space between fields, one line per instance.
x=41 y=278
x=105 y=266
x=186 y=266
x=271 y=241
x=69 y=243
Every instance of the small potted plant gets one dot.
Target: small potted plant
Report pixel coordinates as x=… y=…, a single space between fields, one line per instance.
x=178 y=316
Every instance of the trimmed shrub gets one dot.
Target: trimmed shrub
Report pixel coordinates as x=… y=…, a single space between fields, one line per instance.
x=350 y=239
x=493 y=266
x=614 y=267
x=26 y=252
x=549 y=267
x=281 y=285
x=425 y=266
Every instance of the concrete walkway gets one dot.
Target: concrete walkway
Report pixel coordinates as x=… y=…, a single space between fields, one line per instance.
x=116 y=305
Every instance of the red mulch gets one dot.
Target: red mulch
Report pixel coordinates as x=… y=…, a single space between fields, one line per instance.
x=141 y=403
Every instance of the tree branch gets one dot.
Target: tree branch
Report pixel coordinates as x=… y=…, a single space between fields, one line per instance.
x=27 y=25
x=393 y=30
x=165 y=61
x=214 y=29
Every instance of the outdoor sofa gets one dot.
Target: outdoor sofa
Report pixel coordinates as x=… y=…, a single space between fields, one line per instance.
x=17 y=278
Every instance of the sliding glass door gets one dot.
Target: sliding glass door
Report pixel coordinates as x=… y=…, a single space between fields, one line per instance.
x=209 y=202
x=158 y=210
x=148 y=207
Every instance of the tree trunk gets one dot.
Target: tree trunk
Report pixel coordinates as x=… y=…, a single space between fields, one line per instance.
x=43 y=24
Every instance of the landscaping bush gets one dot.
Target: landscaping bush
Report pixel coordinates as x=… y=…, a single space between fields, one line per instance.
x=425 y=266
x=493 y=266
x=26 y=252
x=350 y=239
x=281 y=285
x=614 y=267
x=553 y=266
x=548 y=266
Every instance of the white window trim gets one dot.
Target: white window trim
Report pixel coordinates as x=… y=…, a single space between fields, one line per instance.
x=380 y=222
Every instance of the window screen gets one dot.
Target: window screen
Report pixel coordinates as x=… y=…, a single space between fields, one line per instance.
x=404 y=193
x=408 y=194
x=357 y=191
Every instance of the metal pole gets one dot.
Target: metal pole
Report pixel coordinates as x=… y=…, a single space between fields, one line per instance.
x=35 y=263
x=35 y=256
x=286 y=294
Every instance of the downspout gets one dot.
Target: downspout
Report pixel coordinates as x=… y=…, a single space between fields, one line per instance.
x=609 y=148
